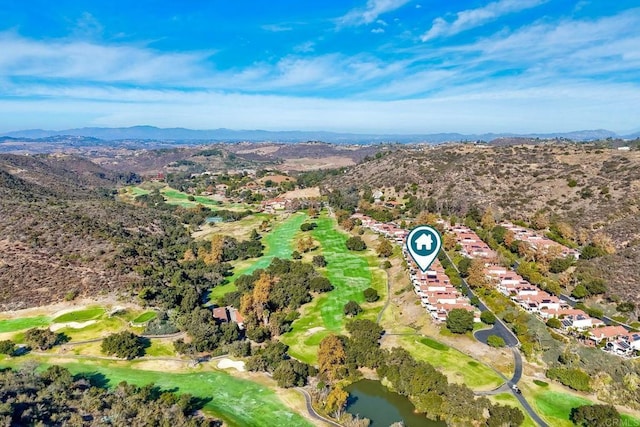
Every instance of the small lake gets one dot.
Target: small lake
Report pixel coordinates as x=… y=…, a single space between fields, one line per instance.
x=370 y=399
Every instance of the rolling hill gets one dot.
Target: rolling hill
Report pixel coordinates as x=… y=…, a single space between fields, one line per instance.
x=62 y=230
x=595 y=189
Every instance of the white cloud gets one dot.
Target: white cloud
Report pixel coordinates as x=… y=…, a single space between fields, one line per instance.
x=582 y=71
x=370 y=12
x=277 y=28
x=63 y=59
x=377 y=30
x=567 y=48
x=471 y=18
x=305 y=47
x=88 y=26
x=559 y=107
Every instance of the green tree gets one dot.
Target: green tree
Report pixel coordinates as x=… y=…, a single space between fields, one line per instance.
x=504 y=416
x=352 y=308
x=495 y=341
x=579 y=292
x=291 y=373
x=488 y=317
x=574 y=378
x=319 y=261
x=460 y=321
x=499 y=233
x=595 y=416
x=370 y=295
x=385 y=248
x=592 y=251
x=43 y=339
x=554 y=323
x=626 y=307
x=126 y=345
x=7 y=347
x=356 y=243
x=559 y=265
x=320 y=284
x=463 y=265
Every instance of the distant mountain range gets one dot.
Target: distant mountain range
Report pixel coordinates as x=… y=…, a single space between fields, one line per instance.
x=152 y=133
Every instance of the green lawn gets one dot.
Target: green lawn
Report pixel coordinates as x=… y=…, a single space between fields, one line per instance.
x=350 y=273
x=80 y=315
x=176 y=197
x=456 y=365
x=435 y=344
x=145 y=317
x=555 y=407
x=137 y=191
x=101 y=328
x=278 y=244
x=237 y=401
x=12 y=325
x=160 y=348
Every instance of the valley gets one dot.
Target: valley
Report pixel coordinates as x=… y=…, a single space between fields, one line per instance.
x=228 y=246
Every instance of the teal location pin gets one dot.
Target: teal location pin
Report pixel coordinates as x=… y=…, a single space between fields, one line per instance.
x=424 y=243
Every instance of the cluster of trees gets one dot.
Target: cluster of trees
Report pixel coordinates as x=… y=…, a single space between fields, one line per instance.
x=269 y=298
x=588 y=286
x=519 y=321
x=44 y=339
x=595 y=416
x=54 y=397
x=460 y=321
x=287 y=372
x=574 y=378
x=340 y=357
x=125 y=345
x=181 y=279
x=206 y=333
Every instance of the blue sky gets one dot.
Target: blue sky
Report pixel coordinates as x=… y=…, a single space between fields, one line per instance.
x=350 y=65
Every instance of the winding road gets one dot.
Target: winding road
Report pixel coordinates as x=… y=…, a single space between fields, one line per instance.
x=312 y=412
x=511 y=341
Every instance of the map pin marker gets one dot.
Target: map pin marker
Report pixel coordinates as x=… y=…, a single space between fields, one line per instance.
x=424 y=243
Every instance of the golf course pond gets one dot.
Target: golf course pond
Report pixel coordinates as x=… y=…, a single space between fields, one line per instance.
x=370 y=399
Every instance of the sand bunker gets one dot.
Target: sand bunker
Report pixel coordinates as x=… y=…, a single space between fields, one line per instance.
x=314 y=330
x=228 y=363
x=72 y=325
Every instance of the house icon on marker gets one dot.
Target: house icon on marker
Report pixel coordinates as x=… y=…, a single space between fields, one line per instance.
x=424 y=242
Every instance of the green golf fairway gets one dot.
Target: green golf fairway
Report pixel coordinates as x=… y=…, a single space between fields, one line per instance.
x=237 y=401
x=556 y=407
x=80 y=315
x=456 y=365
x=278 y=244
x=350 y=273
x=145 y=317
x=12 y=325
